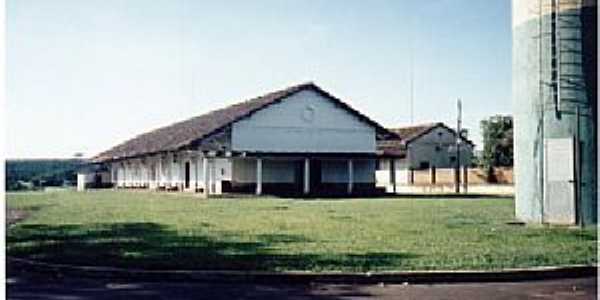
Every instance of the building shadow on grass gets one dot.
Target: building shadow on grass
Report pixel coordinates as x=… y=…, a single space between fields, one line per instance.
x=15 y=215
x=155 y=246
x=24 y=287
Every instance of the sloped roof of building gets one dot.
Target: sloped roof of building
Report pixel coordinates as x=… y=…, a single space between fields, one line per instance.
x=411 y=133
x=391 y=147
x=184 y=133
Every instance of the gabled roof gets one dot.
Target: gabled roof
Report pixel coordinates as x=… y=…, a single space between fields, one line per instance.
x=393 y=147
x=411 y=133
x=184 y=133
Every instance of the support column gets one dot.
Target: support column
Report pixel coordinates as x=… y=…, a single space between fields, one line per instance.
x=130 y=174
x=125 y=175
x=206 y=175
x=350 y=176
x=160 y=171
x=156 y=173
x=182 y=173
x=465 y=178
x=113 y=175
x=169 y=171
x=134 y=173
x=140 y=174
x=258 y=176
x=144 y=175
x=393 y=175
x=139 y=178
x=432 y=175
x=120 y=175
x=196 y=174
x=457 y=179
x=306 y=176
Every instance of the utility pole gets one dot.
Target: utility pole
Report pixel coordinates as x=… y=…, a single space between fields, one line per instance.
x=412 y=89
x=457 y=168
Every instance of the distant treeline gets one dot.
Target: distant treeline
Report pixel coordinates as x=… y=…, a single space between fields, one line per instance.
x=23 y=174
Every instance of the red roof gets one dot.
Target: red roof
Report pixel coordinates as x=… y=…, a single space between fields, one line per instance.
x=184 y=133
x=410 y=133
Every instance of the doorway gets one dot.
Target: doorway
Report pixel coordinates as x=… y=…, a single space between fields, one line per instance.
x=187 y=175
x=315 y=176
x=559 y=191
x=152 y=172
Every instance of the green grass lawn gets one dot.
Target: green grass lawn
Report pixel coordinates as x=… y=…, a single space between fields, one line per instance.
x=169 y=231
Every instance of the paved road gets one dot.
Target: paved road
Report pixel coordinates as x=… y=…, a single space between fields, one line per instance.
x=27 y=287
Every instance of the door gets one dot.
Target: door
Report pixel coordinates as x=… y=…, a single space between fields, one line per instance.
x=97 y=180
x=559 y=188
x=187 y=175
x=152 y=172
x=315 y=176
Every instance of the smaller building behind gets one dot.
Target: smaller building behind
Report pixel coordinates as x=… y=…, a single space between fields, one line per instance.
x=424 y=146
x=429 y=145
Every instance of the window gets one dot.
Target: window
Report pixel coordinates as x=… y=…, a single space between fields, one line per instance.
x=438 y=148
x=424 y=165
x=452 y=158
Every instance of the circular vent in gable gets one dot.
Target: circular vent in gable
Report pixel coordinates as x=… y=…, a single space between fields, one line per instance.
x=308 y=114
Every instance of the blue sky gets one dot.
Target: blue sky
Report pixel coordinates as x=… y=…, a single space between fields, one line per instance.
x=83 y=76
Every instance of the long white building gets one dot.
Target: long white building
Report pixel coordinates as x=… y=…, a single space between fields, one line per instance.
x=300 y=140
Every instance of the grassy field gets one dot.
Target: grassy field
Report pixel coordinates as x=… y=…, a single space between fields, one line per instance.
x=168 y=231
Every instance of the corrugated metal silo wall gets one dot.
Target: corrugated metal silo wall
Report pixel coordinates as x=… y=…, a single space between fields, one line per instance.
x=536 y=113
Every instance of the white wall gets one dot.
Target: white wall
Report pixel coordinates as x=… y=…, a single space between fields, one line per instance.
x=336 y=171
x=282 y=171
x=305 y=122
x=274 y=171
x=385 y=164
x=423 y=149
x=85 y=179
x=364 y=170
x=175 y=171
x=383 y=173
x=223 y=167
x=169 y=172
x=242 y=170
x=120 y=180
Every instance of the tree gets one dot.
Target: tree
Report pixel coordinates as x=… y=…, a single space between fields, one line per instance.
x=497 y=143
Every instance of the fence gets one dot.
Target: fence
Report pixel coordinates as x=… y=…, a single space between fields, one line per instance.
x=434 y=180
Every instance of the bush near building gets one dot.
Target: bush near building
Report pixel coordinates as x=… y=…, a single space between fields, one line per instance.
x=497 y=143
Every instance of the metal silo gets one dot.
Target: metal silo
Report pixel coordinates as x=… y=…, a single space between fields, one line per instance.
x=555 y=110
